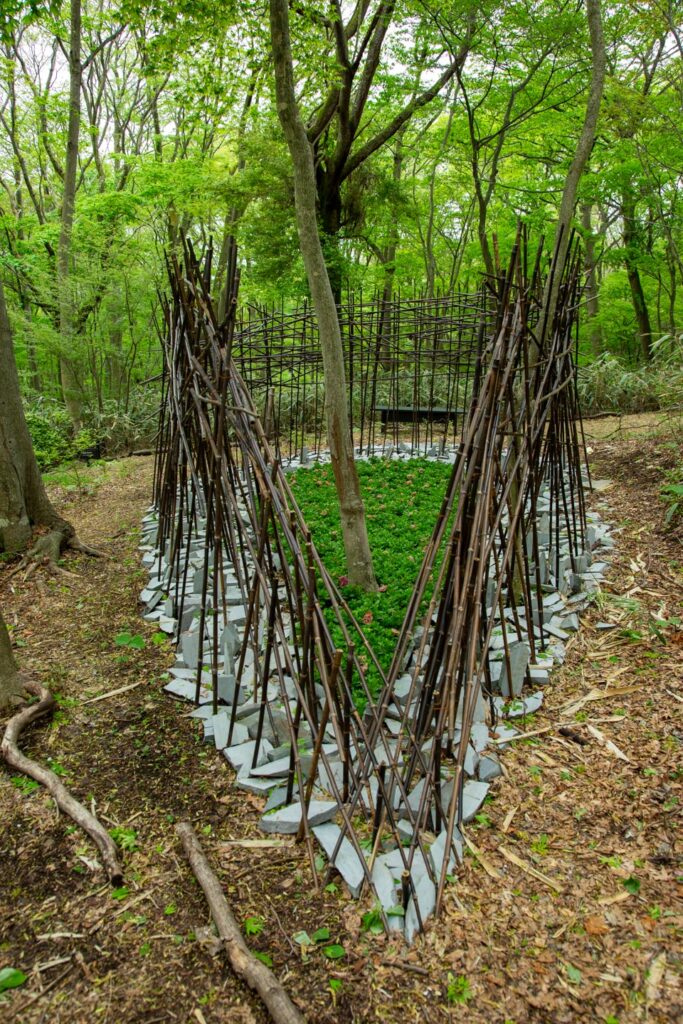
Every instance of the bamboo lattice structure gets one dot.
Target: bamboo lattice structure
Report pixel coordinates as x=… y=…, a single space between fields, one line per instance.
x=384 y=790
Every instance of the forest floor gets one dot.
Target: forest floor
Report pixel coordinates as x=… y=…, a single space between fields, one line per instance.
x=593 y=936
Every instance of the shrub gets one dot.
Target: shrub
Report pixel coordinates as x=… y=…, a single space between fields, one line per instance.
x=607 y=385
x=51 y=431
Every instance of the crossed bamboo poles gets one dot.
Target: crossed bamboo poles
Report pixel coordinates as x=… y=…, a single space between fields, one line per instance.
x=218 y=476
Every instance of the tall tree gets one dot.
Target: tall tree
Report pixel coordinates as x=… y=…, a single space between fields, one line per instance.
x=72 y=397
x=582 y=153
x=345 y=127
x=354 y=529
x=24 y=503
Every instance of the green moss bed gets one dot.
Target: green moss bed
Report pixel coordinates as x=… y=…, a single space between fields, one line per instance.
x=402 y=501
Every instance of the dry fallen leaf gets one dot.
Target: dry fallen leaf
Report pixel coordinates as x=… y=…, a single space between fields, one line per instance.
x=596 y=926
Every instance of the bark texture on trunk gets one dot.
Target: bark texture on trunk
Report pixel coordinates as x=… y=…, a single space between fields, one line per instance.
x=578 y=164
x=354 y=530
x=10 y=683
x=23 y=501
x=70 y=388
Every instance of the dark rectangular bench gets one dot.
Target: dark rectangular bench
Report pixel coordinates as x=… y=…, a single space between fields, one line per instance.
x=409 y=414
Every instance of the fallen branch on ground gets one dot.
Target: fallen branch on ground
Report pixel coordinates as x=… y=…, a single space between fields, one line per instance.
x=57 y=790
x=243 y=962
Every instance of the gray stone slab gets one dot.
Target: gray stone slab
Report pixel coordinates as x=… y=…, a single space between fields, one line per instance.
x=570 y=622
x=185 y=688
x=479 y=736
x=333 y=770
x=489 y=767
x=251 y=784
x=286 y=820
x=276 y=798
x=504 y=732
x=512 y=677
x=402 y=688
x=189 y=646
x=425 y=894
x=280 y=768
x=388 y=894
x=221 y=727
x=241 y=753
x=347 y=861
x=437 y=852
x=203 y=711
x=473 y=796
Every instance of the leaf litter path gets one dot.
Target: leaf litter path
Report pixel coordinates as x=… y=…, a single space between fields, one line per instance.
x=569 y=909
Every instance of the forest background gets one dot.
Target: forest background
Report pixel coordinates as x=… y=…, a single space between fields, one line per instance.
x=124 y=125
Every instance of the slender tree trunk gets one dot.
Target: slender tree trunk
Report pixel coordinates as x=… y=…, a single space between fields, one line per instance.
x=389 y=264
x=330 y=199
x=354 y=530
x=482 y=209
x=23 y=501
x=592 y=302
x=236 y=211
x=644 y=329
x=70 y=388
x=578 y=164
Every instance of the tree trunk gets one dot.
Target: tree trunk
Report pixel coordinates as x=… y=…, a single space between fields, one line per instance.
x=389 y=264
x=354 y=530
x=628 y=212
x=10 y=683
x=592 y=306
x=70 y=388
x=23 y=501
x=578 y=164
x=328 y=191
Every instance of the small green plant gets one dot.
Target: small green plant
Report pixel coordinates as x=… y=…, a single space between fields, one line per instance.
x=170 y=909
x=631 y=885
x=672 y=493
x=24 y=785
x=459 y=990
x=254 y=925
x=11 y=977
x=125 y=838
x=541 y=844
x=372 y=922
x=263 y=957
x=132 y=640
x=334 y=952
x=573 y=973
x=335 y=986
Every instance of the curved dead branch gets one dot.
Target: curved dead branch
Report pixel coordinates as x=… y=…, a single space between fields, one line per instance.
x=57 y=790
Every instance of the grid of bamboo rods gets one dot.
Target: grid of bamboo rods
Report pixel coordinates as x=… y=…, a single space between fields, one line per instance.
x=218 y=476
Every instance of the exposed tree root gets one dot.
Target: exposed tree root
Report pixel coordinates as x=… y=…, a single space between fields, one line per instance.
x=77 y=545
x=62 y=797
x=259 y=977
x=47 y=550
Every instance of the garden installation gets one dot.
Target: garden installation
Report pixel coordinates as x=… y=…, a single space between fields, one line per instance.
x=377 y=764
x=341 y=499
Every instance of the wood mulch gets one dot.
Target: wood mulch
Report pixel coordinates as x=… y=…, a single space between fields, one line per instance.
x=570 y=909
